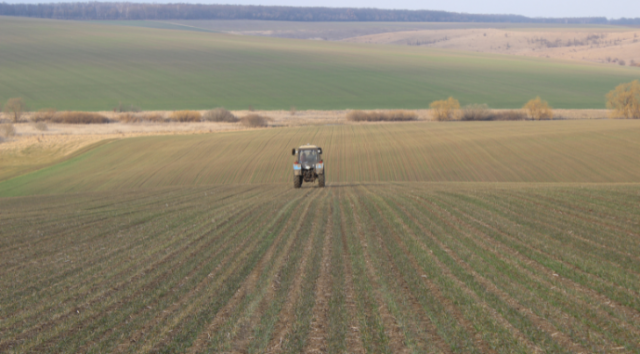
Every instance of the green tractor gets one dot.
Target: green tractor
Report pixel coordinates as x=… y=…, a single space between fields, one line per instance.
x=308 y=166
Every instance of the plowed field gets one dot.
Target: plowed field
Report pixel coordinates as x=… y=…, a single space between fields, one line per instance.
x=394 y=267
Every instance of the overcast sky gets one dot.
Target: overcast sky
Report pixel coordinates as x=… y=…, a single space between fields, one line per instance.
x=531 y=8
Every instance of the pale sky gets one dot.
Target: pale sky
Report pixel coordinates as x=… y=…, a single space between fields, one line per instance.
x=531 y=8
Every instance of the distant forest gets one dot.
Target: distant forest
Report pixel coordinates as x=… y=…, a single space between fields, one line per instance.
x=133 y=11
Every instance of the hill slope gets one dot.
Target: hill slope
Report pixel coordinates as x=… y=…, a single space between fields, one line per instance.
x=569 y=151
x=86 y=66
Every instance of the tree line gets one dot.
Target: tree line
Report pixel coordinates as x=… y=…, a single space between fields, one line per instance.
x=137 y=11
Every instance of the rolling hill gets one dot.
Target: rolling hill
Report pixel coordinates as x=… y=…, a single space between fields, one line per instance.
x=86 y=66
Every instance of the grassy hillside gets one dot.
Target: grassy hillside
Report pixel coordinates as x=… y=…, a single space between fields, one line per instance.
x=422 y=268
x=340 y=30
x=86 y=66
x=558 y=151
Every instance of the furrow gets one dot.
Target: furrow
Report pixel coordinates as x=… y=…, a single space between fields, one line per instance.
x=392 y=329
x=201 y=342
x=317 y=339
x=566 y=341
x=354 y=339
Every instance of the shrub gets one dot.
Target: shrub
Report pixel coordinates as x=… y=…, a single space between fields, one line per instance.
x=445 y=109
x=120 y=108
x=79 y=118
x=622 y=62
x=624 y=100
x=476 y=112
x=538 y=109
x=186 y=116
x=141 y=118
x=219 y=115
x=44 y=115
x=7 y=130
x=254 y=121
x=129 y=118
x=509 y=115
x=391 y=116
x=41 y=126
x=14 y=108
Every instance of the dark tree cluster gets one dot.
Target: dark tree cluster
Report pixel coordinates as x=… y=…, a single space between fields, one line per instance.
x=133 y=11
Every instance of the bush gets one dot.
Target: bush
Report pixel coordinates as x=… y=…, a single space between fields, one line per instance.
x=79 y=118
x=538 y=109
x=476 y=112
x=254 y=121
x=44 y=115
x=391 y=116
x=41 y=126
x=7 y=130
x=219 y=115
x=141 y=118
x=481 y=112
x=509 y=115
x=624 y=101
x=186 y=116
x=445 y=109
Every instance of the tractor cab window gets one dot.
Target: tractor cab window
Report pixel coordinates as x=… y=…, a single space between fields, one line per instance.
x=309 y=156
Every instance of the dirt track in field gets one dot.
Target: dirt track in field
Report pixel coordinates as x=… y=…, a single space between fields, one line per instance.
x=411 y=267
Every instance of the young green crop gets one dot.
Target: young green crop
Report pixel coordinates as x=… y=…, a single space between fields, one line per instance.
x=532 y=152
x=70 y=65
x=420 y=266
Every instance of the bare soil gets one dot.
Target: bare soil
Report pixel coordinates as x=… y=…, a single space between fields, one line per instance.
x=610 y=46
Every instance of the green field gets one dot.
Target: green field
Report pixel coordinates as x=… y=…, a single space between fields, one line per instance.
x=87 y=66
x=598 y=151
x=339 y=30
x=352 y=268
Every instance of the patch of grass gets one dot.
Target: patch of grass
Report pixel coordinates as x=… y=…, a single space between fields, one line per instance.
x=41 y=126
x=7 y=130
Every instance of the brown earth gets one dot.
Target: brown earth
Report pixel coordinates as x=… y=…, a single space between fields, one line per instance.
x=600 y=45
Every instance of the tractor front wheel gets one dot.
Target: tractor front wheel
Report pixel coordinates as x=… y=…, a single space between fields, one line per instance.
x=297 y=181
x=321 y=181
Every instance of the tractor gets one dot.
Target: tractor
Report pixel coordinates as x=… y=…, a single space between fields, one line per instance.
x=308 y=166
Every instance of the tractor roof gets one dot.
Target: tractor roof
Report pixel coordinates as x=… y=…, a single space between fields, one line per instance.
x=308 y=147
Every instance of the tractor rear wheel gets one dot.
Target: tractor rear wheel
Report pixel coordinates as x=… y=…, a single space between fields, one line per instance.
x=321 y=181
x=297 y=181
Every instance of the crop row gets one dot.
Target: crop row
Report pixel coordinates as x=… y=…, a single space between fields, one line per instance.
x=349 y=268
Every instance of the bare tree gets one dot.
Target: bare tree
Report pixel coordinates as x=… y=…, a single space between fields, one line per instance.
x=14 y=108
